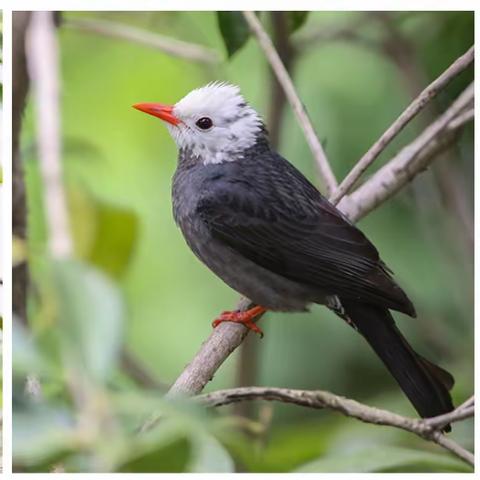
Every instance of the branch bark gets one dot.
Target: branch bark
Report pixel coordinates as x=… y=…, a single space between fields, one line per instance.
x=285 y=81
x=42 y=61
x=407 y=115
x=223 y=340
x=170 y=46
x=428 y=429
x=410 y=161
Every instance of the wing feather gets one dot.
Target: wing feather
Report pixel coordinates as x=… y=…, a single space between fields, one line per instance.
x=278 y=220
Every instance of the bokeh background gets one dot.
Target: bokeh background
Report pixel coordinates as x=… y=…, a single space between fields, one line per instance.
x=355 y=72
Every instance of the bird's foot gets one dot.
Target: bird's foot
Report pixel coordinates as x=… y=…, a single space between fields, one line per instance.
x=245 y=318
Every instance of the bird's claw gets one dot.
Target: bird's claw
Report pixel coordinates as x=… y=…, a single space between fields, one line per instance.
x=245 y=318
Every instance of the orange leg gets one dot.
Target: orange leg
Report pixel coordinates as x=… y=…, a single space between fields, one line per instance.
x=245 y=318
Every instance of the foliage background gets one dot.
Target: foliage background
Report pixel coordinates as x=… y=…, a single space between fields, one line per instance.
x=153 y=297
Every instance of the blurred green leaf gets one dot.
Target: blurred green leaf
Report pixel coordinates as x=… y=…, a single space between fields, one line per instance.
x=296 y=20
x=169 y=457
x=288 y=447
x=234 y=30
x=91 y=316
x=104 y=234
x=26 y=359
x=179 y=422
x=164 y=448
x=42 y=433
x=209 y=456
x=385 y=458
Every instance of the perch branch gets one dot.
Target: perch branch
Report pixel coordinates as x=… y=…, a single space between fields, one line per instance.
x=425 y=428
x=408 y=114
x=42 y=56
x=286 y=82
x=223 y=340
x=170 y=46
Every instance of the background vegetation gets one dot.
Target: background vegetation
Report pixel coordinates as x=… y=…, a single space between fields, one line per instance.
x=137 y=296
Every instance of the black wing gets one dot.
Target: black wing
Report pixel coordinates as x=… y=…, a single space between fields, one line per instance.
x=273 y=216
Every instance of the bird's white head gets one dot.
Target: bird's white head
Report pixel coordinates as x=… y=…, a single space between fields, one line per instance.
x=214 y=122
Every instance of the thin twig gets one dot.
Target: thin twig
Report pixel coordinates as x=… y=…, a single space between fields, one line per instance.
x=458 y=414
x=42 y=56
x=467 y=403
x=410 y=161
x=462 y=119
x=286 y=82
x=427 y=429
x=408 y=114
x=171 y=46
x=134 y=368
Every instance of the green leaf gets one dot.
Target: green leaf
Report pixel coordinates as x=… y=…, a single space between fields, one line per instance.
x=91 y=318
x=288 y=446
x=26 y=359
x=209 y=456
x=104 y=234
x=164 y=448
x=296 y=20
x=385 y=459
x=169 y=457
x=234 y=30
x=41 y=433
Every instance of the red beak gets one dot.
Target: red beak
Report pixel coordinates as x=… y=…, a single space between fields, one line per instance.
x=158 y=110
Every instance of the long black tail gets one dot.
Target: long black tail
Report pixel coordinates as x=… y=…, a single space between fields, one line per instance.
x=424 y=383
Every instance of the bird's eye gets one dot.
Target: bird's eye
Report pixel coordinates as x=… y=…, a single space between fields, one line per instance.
x=204 y=123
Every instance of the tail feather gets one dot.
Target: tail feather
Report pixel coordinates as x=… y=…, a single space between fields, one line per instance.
x=424 y=383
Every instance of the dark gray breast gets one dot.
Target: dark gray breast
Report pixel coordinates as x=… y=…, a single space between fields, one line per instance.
x=194 y=182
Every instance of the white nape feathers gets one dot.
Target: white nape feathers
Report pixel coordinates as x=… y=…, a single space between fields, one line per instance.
x=217 y=124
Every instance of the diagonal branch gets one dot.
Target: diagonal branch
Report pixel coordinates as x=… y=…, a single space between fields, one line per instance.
x=286 y=82
x=397 y=126
x=170 y=46
x=223 y=340
x=428 y=429
x=410 y=161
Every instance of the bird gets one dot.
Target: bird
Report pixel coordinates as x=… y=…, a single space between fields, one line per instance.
x=261 y=226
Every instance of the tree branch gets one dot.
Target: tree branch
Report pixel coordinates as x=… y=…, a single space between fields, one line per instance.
x=428 y=429
x=20 y=86
x=42 y=61
x=223 y=340
x=407 y=115
x=286 y=82
x=170 y=46
x=410 y=161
